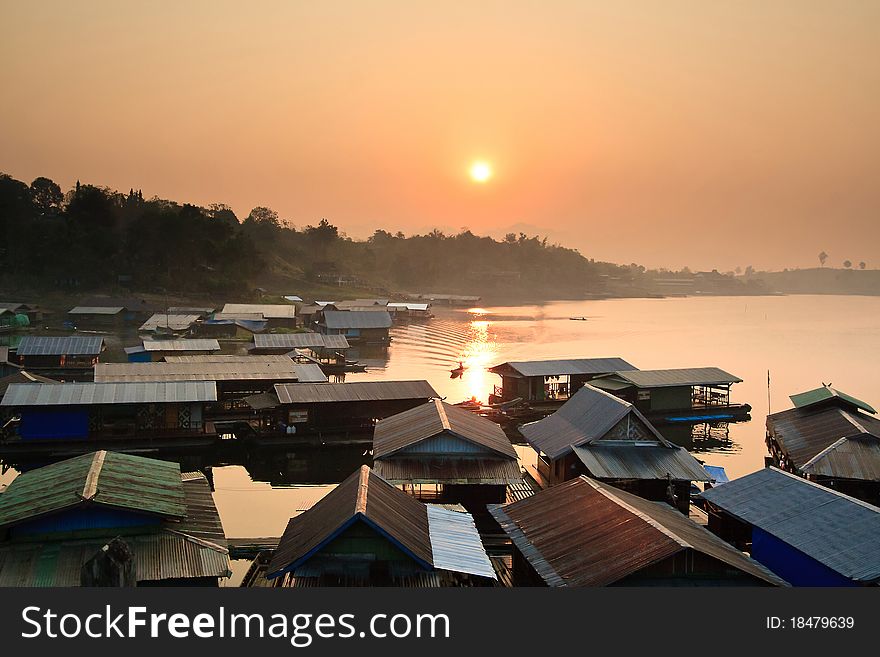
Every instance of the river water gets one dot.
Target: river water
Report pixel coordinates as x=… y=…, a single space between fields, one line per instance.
x=802 y=340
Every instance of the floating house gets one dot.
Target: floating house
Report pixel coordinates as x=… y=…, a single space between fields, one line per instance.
x=29 y=310
x=156 y=350
x=54 y=520
x=333 y=410
x=807 y=534
x=204 y=312
x=831 y=438
x=598 y=434
x=368 y=327
x=586 y=533
x=70 y=357
x=134 y=310
x=409 y=311
x=235 y=379
x=445 y=453
x=168 y=323
x=96 y=316
x=366 y=532
x=332 y=347
x=76 y=415
x=688 y=394
x=232 y=328
x=281 y=315
x=549 y=380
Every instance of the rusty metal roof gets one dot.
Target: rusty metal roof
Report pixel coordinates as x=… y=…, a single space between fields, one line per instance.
x=562 y=367
x=431 y=537
x=418 y=424
x=362 y=496
x=210 y=371
x=837 y=530
x=604 y=460
x=688 y=376
x=361 y=319
x=588 y=416
x=291 y=341
x=807 y=433
x=72 y=345
x=585 y=533
x=305 y=393
x=121 y=481
x=482 y=471
x=76 y=394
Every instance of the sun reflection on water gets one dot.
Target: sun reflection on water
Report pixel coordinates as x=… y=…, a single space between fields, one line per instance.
x=477 y=355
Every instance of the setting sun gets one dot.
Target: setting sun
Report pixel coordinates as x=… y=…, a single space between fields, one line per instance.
x=481 y=172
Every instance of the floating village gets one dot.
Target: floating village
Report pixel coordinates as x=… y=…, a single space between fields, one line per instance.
x=443 y=497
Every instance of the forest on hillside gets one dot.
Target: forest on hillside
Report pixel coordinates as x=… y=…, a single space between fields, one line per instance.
x=92 y=237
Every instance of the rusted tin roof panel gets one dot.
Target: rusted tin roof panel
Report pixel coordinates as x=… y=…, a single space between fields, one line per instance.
x=195 y=344
x=208 y=371
x=585 y=533
x=267 y=310
x=77 y=394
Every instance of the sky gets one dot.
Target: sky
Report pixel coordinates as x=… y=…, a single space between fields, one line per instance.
x=669 y=133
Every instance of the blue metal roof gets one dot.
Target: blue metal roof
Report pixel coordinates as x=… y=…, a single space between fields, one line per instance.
x=836 y=530
x=72 y=345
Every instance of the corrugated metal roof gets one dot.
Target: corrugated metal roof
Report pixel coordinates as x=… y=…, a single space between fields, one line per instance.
x=23 y=376
x=110 y=479
x=191 y=310
x=688 y=376
x=210 y=371
x=225 y=358
x=456 y=544
x=300 y=393
x=477 y=471
x=637 y=461
x=804 y=433
x=198 y=344
x=834 y=529
x=825 y=394
x=299 y=341
x=587 y=416
x=4 y=354
x=77 y=394
x=856 y=457
x=399 y=431
x=718 y=474
x=95 y=310
x=293 y=298
x=191 y=547
x=267 y=310
x=72 y=345
x=562 y=367
x=169 y=321
x=585 y=533
x=362 y=319
x=417 y=307
x=245 y=317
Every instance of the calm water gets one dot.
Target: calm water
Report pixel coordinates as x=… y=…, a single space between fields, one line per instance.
x=802 y=340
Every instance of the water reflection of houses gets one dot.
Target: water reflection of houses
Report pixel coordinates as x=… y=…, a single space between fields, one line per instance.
x=831 y=438
x=598 y=434
x=366 y=532
x=587 y=533
x=699 y=437
x=57 y=521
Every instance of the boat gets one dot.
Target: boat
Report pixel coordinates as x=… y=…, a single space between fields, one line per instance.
x=578 y=319
x=458 y=371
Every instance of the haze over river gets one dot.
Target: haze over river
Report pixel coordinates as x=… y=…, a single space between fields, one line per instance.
x=802 y=340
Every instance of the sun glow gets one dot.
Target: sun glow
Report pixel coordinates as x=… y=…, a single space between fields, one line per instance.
x=480 y=171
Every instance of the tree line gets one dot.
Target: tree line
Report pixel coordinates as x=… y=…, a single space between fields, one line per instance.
x=93 y=237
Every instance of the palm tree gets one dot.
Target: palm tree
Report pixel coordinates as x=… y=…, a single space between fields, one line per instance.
x=822 y=258
x=862 y=265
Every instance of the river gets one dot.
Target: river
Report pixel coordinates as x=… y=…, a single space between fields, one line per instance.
x=802 y=340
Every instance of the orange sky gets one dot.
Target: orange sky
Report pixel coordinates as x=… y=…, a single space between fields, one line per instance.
x=665 y=132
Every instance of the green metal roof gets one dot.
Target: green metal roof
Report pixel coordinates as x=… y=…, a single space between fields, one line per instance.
x=121 y=481
x=824 y=394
